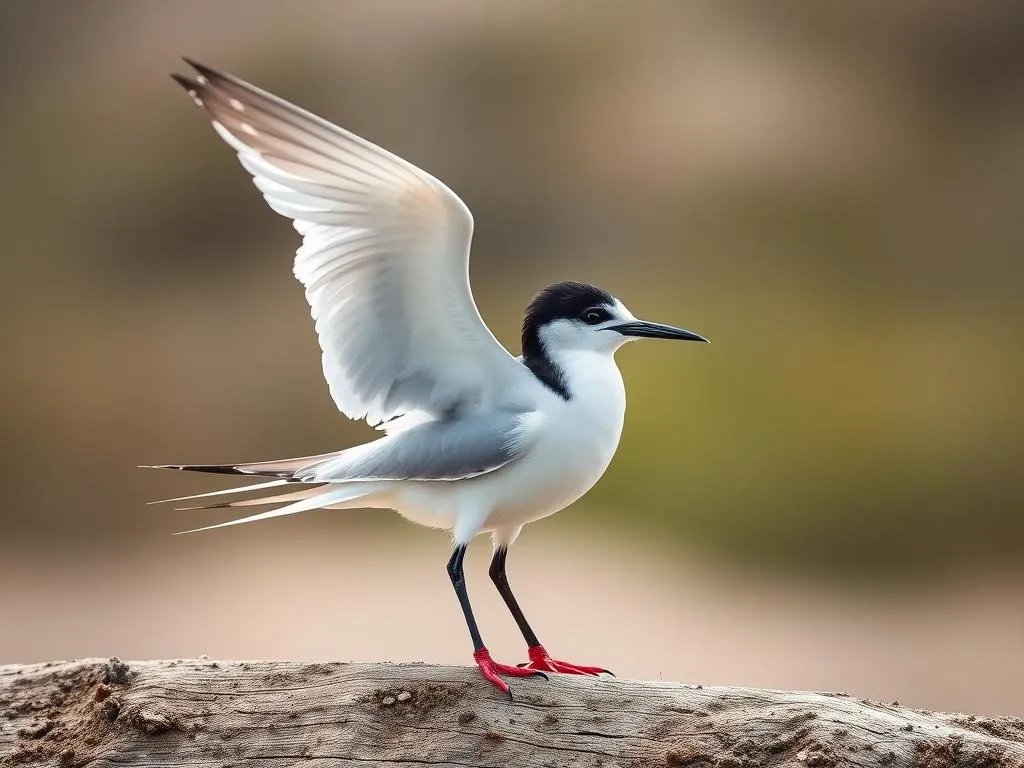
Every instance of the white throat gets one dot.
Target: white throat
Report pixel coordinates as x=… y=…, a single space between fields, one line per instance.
x=587 y=363
x=592 y=417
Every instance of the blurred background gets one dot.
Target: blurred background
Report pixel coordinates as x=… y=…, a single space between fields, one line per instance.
x=827 y=497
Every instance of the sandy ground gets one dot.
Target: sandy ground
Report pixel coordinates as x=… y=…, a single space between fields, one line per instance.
x=285 y=591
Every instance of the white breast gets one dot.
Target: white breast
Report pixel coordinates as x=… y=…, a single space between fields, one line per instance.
x=578 y=440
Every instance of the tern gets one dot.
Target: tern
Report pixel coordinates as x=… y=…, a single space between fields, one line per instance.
x=476 y=440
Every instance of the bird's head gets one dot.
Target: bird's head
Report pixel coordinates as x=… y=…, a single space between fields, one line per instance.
x=579 y=317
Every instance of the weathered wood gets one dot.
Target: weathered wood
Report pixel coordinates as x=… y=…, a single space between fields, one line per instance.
x=215 y=713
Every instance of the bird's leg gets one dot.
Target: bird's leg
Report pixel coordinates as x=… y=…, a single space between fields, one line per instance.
x=539 y=657
x=488 y=666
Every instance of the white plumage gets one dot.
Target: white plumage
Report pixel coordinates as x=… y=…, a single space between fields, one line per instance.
x=476 y=439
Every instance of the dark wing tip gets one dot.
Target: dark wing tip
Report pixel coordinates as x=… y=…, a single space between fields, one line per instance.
x=218 y=469
x=212 y=75
x=224 y=469
x=200 y=86
x=199 y=67
x=221 y=505
x=187 y=83
x=209 y=86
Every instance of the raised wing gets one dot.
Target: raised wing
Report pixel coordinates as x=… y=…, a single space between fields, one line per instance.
x=384 y=258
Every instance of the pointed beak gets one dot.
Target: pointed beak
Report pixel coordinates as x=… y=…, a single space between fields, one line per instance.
x=647 y=330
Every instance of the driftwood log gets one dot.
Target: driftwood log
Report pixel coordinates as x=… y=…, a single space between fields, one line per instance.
x=215 y=713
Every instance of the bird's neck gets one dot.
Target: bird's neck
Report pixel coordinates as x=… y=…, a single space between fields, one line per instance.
x=547 y=371
x=572 y=373
x=536 y=358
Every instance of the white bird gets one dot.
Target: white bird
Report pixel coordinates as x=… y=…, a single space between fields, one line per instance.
x=477 y=441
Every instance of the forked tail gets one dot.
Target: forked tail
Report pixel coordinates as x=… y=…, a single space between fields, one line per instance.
x=289 y=469
x=295 y=472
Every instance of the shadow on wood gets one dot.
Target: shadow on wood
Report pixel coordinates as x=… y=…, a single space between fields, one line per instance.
x=211 y=713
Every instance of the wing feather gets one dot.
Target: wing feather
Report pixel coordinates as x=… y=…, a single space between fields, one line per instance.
x=435 y=450
x=384 y=259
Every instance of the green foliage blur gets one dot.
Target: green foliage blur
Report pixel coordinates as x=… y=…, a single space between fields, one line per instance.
x=830 y=193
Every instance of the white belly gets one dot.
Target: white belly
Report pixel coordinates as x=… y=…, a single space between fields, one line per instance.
x=576 y=442
x=564 y=465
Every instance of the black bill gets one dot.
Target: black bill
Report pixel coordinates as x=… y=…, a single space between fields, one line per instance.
x=647 y=330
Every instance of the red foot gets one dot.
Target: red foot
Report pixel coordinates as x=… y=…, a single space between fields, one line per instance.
x=539 y=659
x=490 y=669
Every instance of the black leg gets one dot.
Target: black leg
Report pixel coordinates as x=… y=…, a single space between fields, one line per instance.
x=539 y=658
x=500 y=579
x=488 y=666
x=459 y=582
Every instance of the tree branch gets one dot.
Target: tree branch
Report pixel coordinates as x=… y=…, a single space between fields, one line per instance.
x=208 y=713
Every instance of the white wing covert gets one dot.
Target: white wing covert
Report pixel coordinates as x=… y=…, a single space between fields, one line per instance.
x=384 y=258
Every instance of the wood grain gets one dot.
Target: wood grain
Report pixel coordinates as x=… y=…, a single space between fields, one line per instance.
x=279 y=713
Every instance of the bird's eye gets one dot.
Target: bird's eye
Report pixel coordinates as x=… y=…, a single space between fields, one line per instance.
x=594 y=316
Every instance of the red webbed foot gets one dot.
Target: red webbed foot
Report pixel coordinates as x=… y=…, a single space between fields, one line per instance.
x=490 y=669
x=540 y=659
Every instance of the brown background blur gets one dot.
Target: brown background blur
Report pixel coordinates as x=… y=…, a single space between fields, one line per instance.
x=829 y=496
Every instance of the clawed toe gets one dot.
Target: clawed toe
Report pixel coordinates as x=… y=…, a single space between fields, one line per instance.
x=540 y=659
x=491 y=670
